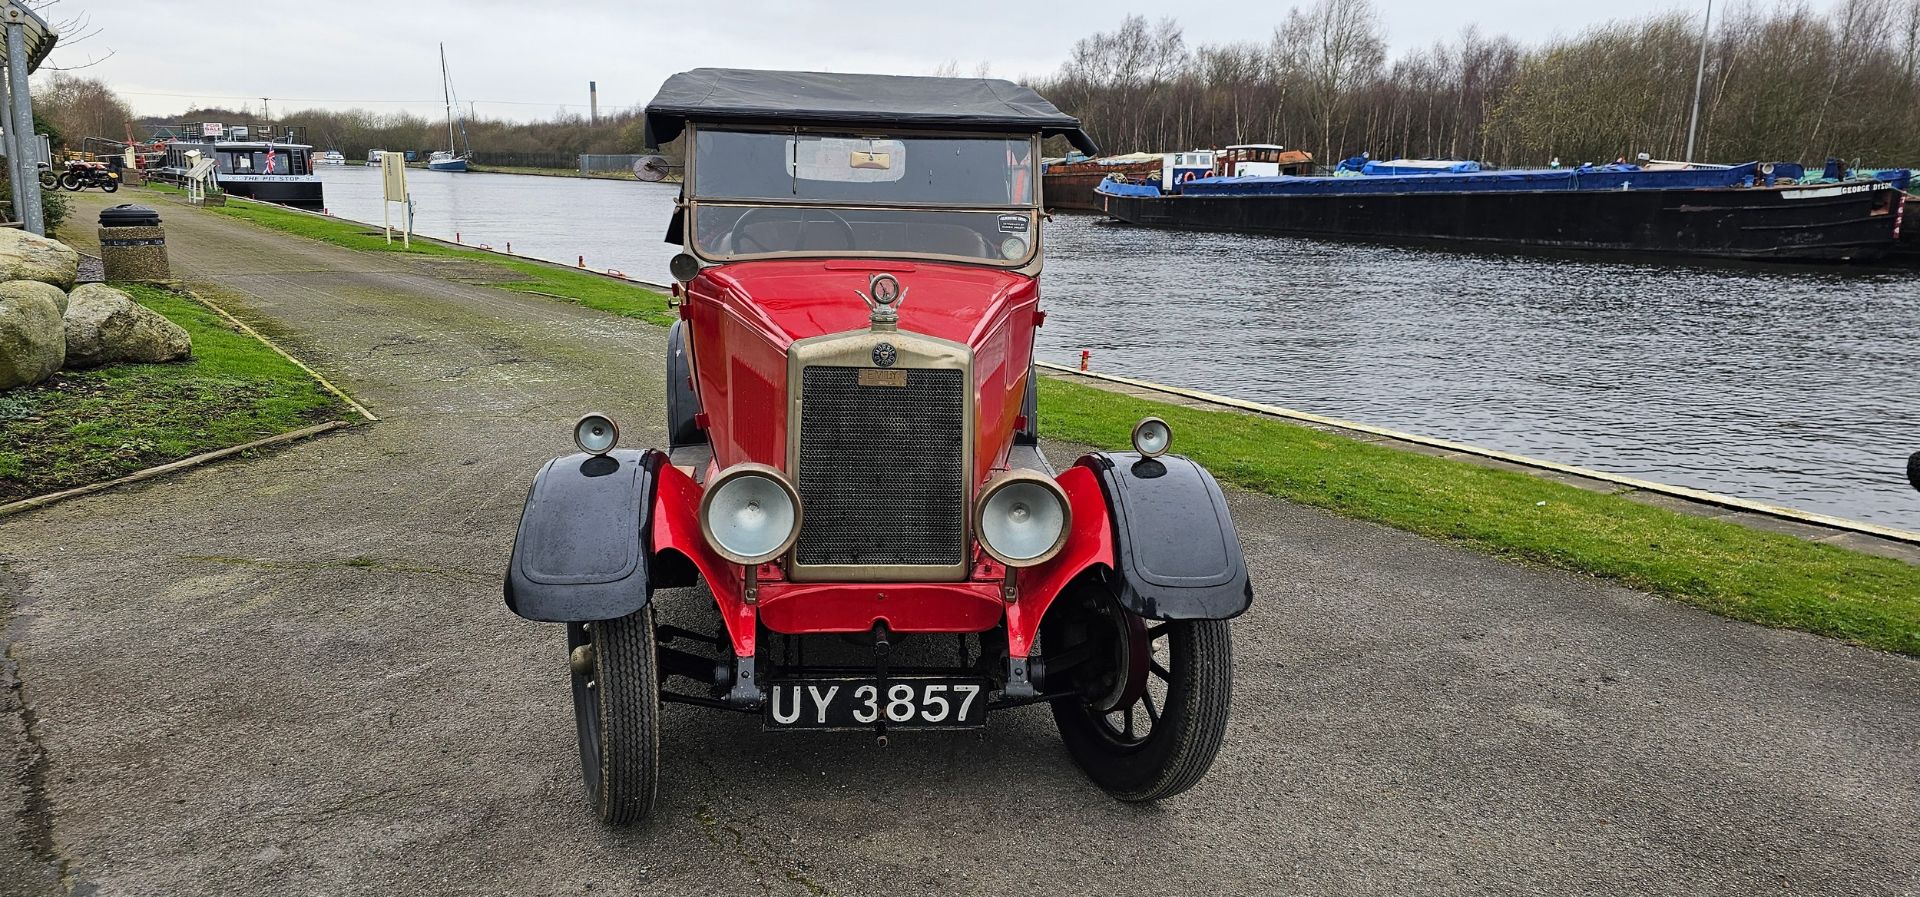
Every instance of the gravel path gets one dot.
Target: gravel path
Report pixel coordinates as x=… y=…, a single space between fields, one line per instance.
x=293 y=675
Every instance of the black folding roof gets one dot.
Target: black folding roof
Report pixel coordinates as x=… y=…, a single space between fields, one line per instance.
x=747 y=96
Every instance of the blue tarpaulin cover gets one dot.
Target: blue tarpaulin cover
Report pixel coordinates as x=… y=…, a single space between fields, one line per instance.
x=1389 y=168
x=1122 y=188
x=1900 y=178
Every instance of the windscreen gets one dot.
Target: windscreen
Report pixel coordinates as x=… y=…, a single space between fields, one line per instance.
x=758 y=194
x=851 y=169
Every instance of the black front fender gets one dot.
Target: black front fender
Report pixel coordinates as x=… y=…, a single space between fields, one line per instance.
x=1176 y=554
x=581 y=551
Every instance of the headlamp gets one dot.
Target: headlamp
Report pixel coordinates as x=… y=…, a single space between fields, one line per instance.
x=1152 y=437
x=1022 y=518
x=596 y=434
x=750 y=514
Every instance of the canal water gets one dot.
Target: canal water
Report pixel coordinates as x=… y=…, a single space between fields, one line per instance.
x=1791 y=385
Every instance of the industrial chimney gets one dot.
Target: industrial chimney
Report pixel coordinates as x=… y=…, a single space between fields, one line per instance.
x=593 y=101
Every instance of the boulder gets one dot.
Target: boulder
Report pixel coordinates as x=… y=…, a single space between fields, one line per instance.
x=104 y=326
x=24 y=256
x=15 y=288
x=33 y=343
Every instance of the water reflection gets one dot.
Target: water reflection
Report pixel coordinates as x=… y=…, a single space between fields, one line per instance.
x=1783 y=384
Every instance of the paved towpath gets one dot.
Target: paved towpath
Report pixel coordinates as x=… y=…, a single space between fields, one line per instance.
x=292 y=674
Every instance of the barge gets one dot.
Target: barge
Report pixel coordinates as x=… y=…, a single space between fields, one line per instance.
x=1068 y=185
x=1738 y=212
x=1071 y=184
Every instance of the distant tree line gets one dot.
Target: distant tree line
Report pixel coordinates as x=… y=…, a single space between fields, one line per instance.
x=1782 y=83
x=557 y=141
x=84 y=107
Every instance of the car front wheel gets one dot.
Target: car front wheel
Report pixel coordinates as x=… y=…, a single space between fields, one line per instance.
x=1153 y=697
x=616 y=707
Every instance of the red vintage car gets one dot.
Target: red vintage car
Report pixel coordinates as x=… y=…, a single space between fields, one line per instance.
x=853 y=470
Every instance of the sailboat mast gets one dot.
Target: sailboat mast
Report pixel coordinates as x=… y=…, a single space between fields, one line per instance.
x=446 y=93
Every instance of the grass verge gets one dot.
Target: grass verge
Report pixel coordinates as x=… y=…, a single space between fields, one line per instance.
x=88 y=426
x=1746 y=574
x=591 y=290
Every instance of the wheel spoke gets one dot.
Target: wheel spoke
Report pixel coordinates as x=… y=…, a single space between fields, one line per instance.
x=1152 y=714
x=1129 y=715
x=1154 y=632
x=1160 y=671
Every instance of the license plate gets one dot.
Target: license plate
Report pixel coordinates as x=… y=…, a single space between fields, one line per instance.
x=905 y=703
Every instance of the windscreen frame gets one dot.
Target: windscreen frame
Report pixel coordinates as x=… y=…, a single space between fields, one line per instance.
x=689 y=202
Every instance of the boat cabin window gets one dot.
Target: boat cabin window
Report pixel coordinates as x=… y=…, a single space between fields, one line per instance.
x=761 y=193
x=277 y=160
x=1253 y=154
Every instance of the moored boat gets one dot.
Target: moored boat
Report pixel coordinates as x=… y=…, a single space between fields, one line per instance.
x=1739 y=211
x=1068 y=184
x=267 y=170
x=447 y=159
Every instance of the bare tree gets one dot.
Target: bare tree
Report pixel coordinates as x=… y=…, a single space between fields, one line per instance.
x=82 y=107
x=1784 y=82
x=1332 y=49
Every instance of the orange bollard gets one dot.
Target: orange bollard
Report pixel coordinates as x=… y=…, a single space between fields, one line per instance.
x=1084 y=355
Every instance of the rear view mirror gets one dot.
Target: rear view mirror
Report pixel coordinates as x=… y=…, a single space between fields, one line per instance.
x=845 y=160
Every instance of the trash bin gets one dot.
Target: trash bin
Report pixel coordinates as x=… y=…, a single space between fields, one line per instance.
x=132 y=244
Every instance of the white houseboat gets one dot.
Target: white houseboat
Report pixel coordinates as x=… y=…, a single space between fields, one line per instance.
x=270 y=170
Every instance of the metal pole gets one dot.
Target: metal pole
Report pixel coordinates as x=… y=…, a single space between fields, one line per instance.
x=1699 y=81
x=22 y=108
x=16 y=172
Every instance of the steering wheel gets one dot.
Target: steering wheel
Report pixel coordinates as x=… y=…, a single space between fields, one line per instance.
x=741 y=237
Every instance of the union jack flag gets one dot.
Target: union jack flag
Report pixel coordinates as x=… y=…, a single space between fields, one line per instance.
x=269 y=168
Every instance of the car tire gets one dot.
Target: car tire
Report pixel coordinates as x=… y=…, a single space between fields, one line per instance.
x=1193 y=661
x=616 y=708
x=71 y=182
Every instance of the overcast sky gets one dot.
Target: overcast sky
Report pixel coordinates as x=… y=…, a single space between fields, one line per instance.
x=525 y=60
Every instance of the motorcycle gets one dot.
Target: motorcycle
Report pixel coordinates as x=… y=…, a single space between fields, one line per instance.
x=81 y=175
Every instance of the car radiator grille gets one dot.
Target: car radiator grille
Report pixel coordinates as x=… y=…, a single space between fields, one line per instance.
x=881 y=473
